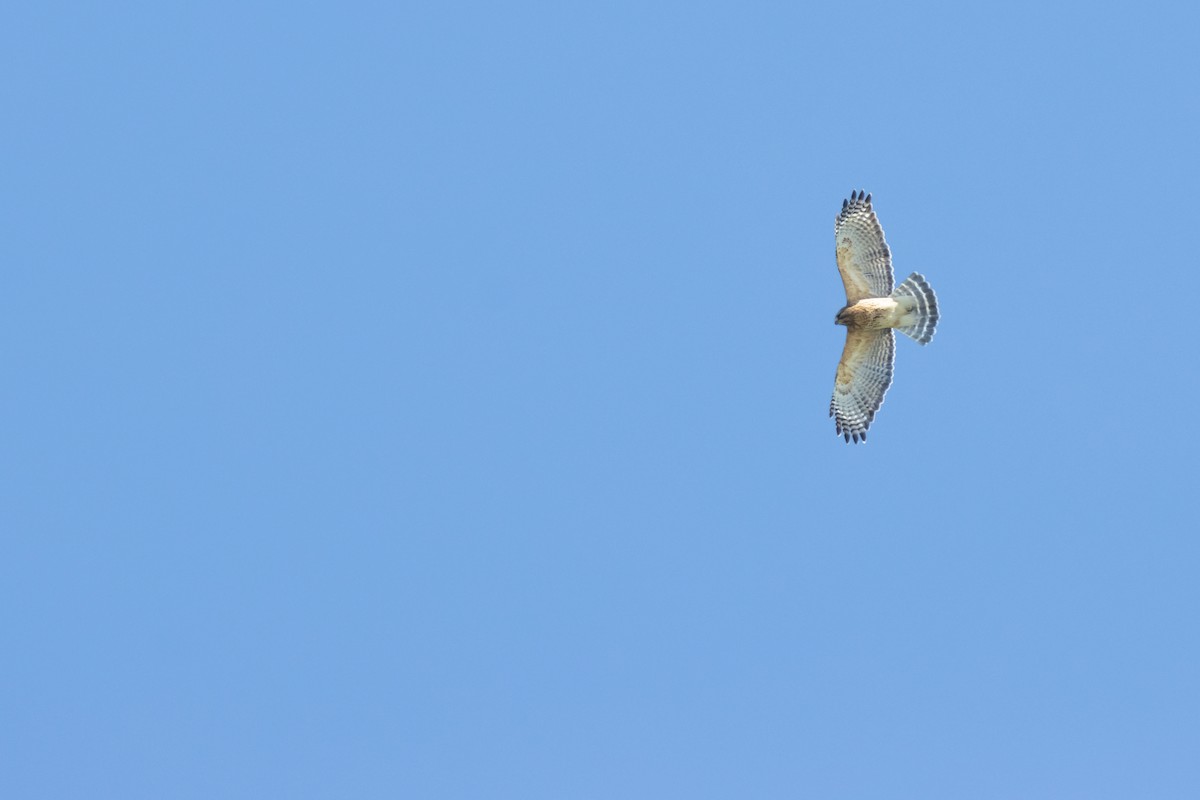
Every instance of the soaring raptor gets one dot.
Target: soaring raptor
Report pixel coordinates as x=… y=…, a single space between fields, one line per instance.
x=872 y=309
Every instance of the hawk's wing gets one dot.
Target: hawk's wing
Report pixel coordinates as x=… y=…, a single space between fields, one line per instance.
x=863 y=377
x=863 y=256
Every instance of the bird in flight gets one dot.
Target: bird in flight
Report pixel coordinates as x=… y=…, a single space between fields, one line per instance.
x=873 y=308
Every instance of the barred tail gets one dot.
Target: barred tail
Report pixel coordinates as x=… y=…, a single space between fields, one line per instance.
x=920 y=306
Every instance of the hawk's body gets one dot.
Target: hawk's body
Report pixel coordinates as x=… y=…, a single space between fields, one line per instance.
x=872 y=313
x=873 y=308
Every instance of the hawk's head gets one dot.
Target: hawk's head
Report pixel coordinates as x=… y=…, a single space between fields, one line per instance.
x=842 y=317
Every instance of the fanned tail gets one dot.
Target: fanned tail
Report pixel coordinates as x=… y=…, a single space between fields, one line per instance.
x=920 y=308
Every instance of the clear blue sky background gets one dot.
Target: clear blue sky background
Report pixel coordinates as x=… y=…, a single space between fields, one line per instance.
x=430 y=401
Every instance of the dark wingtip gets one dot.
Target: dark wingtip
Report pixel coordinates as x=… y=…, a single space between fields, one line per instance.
x=844 y=204
x=868 y=199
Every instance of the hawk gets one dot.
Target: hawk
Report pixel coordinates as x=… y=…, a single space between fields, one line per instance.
x=873 y=308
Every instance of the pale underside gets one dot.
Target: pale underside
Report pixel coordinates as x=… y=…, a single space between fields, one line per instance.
x=865 y=370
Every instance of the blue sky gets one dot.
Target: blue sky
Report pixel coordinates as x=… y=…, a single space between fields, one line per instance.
x=430 y=400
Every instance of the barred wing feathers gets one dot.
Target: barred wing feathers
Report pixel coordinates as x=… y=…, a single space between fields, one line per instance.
x=863 y=256
x=863 y=377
